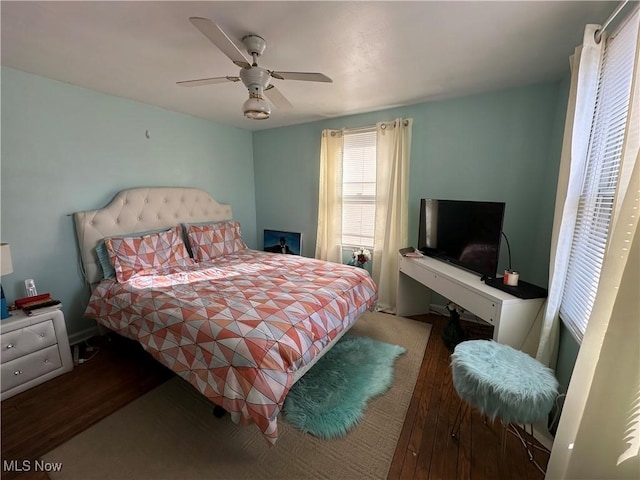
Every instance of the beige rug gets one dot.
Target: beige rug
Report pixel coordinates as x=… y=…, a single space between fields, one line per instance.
x=170 y=433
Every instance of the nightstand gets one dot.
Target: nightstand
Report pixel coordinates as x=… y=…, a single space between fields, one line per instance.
x=33 y=349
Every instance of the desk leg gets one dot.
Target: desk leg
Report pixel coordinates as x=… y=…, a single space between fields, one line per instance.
x=413 y=298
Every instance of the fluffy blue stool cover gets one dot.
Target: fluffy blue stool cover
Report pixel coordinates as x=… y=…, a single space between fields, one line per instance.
x=502 y=382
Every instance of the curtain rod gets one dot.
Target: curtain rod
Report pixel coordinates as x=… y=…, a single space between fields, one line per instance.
x=371 y=127
x=598 y=34
x=359 y=129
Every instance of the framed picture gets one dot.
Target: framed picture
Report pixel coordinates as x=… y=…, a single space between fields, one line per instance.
x=277 y=241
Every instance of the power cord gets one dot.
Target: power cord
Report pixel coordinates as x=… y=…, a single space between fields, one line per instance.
x=508 y=248
x=88 y=349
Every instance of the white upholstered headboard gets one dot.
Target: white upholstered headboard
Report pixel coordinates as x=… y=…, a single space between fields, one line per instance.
x=142 y=209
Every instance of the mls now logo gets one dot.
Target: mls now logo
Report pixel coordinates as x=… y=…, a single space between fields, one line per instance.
x=28 y=466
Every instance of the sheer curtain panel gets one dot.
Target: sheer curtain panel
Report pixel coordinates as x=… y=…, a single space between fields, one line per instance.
x=595 y=218
x=329 y=237
x=585 y=65
x=393 y=153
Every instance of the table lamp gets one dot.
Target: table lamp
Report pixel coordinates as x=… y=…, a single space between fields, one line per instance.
x=6 y=267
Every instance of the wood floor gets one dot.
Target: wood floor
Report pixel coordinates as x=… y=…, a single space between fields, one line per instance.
x=46 y=416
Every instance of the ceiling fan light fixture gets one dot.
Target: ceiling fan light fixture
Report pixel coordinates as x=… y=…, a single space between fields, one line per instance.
x=256 y=107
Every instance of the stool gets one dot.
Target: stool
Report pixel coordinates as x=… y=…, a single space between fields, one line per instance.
x=502 y=382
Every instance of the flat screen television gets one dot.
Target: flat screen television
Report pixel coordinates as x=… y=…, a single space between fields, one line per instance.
x=465 y=233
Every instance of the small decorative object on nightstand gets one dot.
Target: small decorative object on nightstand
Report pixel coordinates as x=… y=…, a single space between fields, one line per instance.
x=33 y=349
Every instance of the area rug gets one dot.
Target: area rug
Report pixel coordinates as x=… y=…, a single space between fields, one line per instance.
x=170 y=433
x=332 y=397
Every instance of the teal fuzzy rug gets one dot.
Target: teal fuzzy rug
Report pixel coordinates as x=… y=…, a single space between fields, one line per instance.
x=331 y=397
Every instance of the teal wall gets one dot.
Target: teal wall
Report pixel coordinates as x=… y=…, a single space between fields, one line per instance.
x=66 y=149
x=502 y=146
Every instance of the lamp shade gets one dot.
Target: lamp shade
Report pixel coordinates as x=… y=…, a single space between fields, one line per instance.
x=6 y=267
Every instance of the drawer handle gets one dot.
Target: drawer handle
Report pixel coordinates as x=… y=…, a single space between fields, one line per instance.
x=11 y=345
x=17 y=372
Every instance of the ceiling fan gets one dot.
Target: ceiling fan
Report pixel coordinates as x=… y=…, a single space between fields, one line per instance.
x=255 y=78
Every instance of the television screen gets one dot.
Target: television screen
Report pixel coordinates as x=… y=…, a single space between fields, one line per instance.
x=465 y=233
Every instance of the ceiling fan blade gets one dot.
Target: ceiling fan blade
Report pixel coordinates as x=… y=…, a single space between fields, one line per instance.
x=276 y=97
x=304 y=76
x=220 y=39
x=207 y=81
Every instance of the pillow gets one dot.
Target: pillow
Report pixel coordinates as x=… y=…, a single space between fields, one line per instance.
x=214 y=240
x=142 y=254
x=104 y=259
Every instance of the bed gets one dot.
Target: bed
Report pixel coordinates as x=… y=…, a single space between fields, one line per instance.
x=240 y=325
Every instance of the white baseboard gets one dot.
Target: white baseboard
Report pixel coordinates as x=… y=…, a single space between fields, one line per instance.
x=83 y=335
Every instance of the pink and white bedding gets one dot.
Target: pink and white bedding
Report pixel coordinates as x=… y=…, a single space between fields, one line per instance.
x=237 y=327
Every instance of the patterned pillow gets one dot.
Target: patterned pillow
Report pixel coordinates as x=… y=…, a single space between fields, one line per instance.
x=141 y=255
x=104 y=259
x=214 y=240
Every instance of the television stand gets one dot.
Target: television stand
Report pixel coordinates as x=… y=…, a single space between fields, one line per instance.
x=512 y=318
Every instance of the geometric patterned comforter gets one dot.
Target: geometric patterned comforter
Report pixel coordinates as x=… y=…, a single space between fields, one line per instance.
x=237 y=328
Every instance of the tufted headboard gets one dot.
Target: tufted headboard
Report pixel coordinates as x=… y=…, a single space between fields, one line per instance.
x=138 y=210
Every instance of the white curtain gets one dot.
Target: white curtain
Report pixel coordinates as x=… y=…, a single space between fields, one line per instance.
x=585 y=64
x=329 y=237
x=599 y=431
x=393 y=144
x=392 y=198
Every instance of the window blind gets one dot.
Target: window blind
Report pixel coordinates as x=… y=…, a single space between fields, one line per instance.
x=596 y=201
x=359 y=188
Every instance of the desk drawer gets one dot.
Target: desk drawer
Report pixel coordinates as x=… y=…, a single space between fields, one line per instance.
x=28 y=367
x=32 y=338
x=473 y=302
x=462 y=294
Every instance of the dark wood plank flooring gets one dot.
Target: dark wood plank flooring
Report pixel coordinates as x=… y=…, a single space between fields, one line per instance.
x=44 y=417
x=48 y=415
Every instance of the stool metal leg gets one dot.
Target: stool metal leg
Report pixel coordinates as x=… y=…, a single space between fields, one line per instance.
x=526 y=444
x=462 y=411
x=503 y=442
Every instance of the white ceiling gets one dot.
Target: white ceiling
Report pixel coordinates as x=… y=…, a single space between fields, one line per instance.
x=379 y=54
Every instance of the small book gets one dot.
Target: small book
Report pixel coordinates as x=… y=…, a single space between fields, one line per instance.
x=40 y=311
x=34 y=300
x=39 y=306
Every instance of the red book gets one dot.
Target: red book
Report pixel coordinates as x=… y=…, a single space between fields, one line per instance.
x=34 y=300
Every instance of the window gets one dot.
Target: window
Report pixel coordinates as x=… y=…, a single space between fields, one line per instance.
x=359 y=188
x=601 y=176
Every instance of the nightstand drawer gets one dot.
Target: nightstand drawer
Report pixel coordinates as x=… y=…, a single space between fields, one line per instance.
x=27 y=340
x=30 y=366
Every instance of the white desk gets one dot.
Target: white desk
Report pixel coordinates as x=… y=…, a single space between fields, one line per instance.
x=512 y=317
